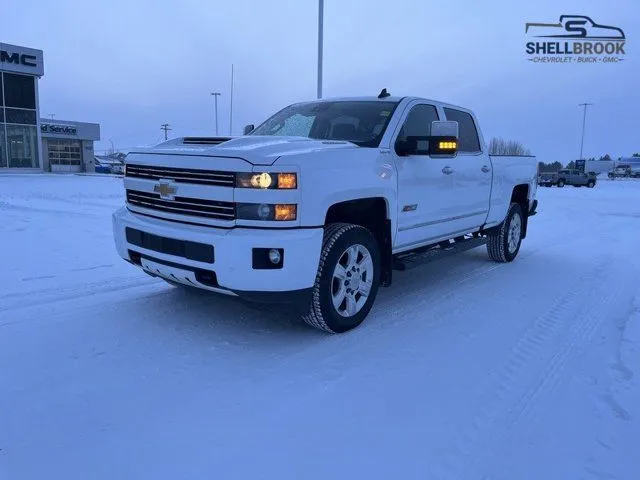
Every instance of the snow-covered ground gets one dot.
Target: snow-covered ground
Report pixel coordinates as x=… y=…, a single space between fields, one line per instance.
x=465 y=369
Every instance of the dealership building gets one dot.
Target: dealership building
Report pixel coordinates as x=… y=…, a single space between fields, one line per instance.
x=28 y=142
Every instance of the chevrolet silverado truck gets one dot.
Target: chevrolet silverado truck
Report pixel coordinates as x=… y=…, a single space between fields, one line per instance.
x=319 y=205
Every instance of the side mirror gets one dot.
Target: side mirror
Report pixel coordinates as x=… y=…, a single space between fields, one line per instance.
x=443 y=141
x=248 y=129
x=406 y=146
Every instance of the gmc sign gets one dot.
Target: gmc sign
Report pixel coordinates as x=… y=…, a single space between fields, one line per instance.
x=14 y=58
x=18 y=59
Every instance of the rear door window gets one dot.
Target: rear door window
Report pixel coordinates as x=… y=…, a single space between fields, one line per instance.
x=468 y=140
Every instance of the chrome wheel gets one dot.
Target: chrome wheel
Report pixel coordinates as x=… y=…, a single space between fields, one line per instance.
x=352 y=280
x=515 y=231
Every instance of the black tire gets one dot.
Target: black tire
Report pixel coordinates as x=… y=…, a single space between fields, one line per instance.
x=560 y=183
x=498 y=240
x=322 y=313
x=591 y=184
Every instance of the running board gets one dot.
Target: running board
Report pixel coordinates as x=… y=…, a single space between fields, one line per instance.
x=416 y=258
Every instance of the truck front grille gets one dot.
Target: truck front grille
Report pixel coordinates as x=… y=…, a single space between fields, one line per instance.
x=194 y=207
x=183 y=175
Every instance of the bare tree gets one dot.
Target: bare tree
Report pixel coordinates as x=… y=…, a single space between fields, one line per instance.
x=500 y=146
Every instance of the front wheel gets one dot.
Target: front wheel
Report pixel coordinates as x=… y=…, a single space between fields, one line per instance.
x=591 y=184
x=503 y=244
x=560 y=183
x=347 y=280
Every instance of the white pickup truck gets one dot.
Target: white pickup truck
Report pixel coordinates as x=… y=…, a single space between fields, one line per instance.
x=318 y=205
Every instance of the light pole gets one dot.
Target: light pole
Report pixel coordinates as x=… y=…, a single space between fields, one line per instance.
x=231 y=103
x=215 y=96
x=320 y=35
x=584 y=120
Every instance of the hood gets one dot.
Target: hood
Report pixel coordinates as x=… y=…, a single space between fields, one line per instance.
x=257 y=150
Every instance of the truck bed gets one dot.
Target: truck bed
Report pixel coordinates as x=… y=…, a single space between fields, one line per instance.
x=509 y=170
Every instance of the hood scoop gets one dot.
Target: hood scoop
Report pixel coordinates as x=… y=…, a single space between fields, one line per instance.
x=205 y=140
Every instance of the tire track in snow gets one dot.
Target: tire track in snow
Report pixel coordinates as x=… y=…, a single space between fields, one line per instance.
x=524 y=415
x=13 y=302
x=532 y=370
x=396 y=310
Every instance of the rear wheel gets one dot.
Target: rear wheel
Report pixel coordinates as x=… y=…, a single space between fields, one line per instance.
x=503 y=244
x=591 y=184
x=560 y=183
x=347 y=280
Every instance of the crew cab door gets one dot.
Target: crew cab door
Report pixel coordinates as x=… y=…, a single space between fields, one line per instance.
x=425 y=184
x=472 y=174
x=581 y=178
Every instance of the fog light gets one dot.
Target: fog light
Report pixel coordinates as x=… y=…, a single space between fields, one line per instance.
x=274 y=256
x=264 y=211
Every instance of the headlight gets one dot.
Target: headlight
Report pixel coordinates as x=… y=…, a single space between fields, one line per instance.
x=267 y=180
x=265 y=211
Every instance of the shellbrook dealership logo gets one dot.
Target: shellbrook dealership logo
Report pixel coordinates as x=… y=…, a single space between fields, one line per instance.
x=574 y=39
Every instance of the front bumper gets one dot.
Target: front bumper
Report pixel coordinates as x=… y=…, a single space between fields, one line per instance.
x=232 y=270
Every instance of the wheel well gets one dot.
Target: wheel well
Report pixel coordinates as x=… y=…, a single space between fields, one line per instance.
x=520 y=195
x=370 y=213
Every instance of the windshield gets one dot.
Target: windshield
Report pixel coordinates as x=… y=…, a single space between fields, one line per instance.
x=360 y=122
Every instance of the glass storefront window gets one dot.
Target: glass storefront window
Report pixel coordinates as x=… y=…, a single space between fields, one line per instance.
x=22 y=148
x=19 y=91
x=3 y=148
x=20 y=116
x=18 y=119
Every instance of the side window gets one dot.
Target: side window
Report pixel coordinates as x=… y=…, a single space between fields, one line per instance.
x=468 y=134
x=418 y=124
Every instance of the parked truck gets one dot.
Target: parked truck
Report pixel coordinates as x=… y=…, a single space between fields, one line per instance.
x=322 y=203
x=626 y=168
x=577 y=178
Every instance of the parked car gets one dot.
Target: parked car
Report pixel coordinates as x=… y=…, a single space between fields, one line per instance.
x=548 y=179
x=108 y=165
x=321 y=203
x=101 y=167
x=576 y=178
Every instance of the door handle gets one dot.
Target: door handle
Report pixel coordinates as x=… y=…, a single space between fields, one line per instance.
x=485 y=169
x=447 y=170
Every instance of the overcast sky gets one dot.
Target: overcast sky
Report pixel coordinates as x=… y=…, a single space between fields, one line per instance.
x=136 y=64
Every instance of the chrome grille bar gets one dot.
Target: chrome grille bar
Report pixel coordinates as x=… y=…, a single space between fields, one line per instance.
x=194 y=207
x=182 y=175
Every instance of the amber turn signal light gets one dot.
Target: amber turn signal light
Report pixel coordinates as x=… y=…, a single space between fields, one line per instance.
x=287 y=180
x=286 y=212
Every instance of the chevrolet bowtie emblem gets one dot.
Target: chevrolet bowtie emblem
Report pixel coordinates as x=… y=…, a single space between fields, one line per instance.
x=165 y=189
